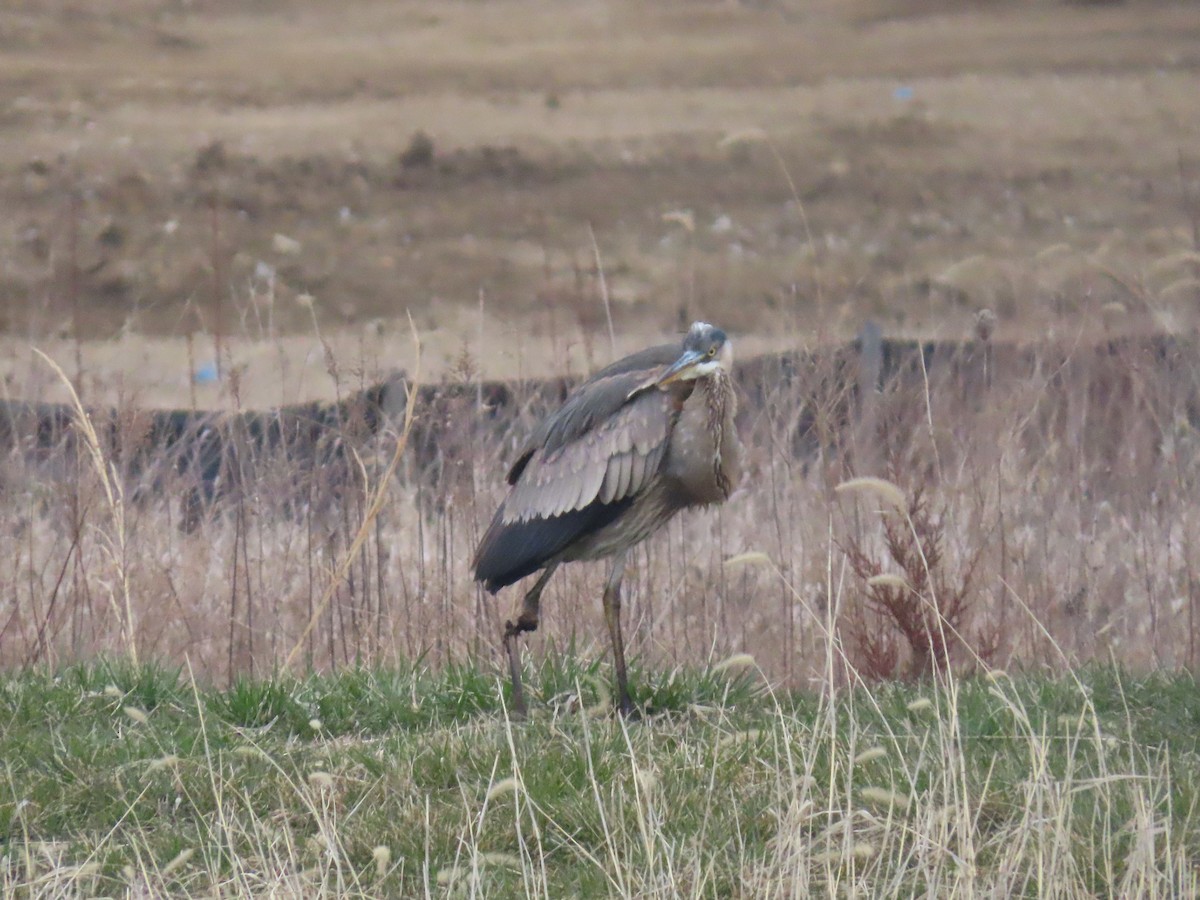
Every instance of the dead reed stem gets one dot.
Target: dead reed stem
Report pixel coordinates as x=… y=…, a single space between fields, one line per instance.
x=373 y=508
x=114 y=542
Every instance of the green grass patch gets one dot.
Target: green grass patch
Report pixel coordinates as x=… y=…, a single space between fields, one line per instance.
x=398 y=783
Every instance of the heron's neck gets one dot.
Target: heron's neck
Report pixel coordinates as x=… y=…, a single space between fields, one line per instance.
x=722 y=405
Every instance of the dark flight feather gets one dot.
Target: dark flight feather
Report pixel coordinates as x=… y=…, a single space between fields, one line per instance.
x=510 y=551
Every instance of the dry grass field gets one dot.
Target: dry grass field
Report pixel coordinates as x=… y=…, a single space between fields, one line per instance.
x=787 y=168
x=244 y=184
x=221 y=216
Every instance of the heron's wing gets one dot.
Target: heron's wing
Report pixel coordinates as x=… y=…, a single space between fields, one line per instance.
x=610 y=459
x=595 y=401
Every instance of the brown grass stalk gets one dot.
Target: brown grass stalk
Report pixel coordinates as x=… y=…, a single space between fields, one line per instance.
x=115 y=540
x=378 y=498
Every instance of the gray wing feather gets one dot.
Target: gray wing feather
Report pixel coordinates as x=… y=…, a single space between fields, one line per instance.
x=608 y=493
x=620 y=463
x=598 y=463
x=637 y=468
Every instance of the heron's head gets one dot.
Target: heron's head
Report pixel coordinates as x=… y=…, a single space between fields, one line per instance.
x=705 y=350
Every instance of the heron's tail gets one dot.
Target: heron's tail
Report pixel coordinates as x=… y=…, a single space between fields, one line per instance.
x=511 y=550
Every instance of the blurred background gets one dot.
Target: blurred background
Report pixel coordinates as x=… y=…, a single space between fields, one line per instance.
x=194 y=191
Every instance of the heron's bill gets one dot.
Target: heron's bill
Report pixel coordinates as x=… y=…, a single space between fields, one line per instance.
x=681 y=367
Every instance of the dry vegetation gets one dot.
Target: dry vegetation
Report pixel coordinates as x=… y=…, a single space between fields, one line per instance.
x=1049 y=515
x=400 y=783
x=934 y=151
x=218 y=214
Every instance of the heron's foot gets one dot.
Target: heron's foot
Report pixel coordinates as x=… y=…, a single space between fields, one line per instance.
x=628 y=711
x=525 y=622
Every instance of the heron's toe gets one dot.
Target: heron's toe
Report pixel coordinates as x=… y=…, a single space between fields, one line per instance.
x=524 y=623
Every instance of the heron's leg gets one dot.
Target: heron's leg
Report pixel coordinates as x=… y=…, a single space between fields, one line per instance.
x=526 y=621
x=612 y=615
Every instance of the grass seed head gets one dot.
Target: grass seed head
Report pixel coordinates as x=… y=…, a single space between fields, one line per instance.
x=749 y=736
x=887 y=579
x=884 y=798
x=322 y=781
x=751 y=558
x=859 y=852
x=502 y=788
x=880 y=487
x=502 y=860
x=169 y=761
x=737 y=661
x=863 y=851
x=646 y=779
x=870 y=755
x=682 y=217
x=137 y=715
x=383 y=859
x=180 y=860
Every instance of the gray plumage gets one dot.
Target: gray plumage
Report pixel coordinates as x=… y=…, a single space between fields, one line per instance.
x=639 y=441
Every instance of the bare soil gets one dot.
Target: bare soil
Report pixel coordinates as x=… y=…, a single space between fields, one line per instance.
x=305 y=175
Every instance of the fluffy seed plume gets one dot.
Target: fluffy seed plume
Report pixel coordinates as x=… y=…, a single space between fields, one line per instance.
x=383 y=859
x=883 y=798
x=737 y=661
x=138 y=715
x=753 y=558
x=180 y=859
x=1112 y=313
x=1180 y=289
x=1174 y=262
x=501 y=788
x=682 y=217
x=862 y=850
x=887 y=579
x=881 y=488
x=284 y=245
x=920 y=705
x=322 y=781
x=506 y=860
x=966 y=273
x=603 y=703
x=315 y=724
x=646 y=779
x=869 y=755
x=748 y=736
x=859 y=852
x=169 y=761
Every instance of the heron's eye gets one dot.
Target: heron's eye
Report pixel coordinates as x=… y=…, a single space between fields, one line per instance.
x=712 y=350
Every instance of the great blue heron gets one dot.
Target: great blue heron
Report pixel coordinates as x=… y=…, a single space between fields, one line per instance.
x=648 y=436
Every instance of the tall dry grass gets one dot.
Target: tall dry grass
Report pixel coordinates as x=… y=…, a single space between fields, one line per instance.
x=1059 y=475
